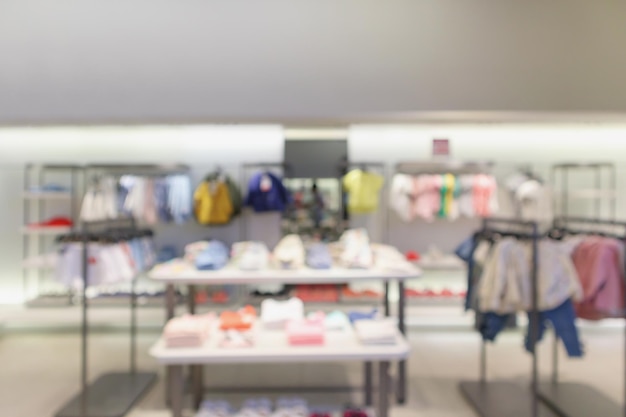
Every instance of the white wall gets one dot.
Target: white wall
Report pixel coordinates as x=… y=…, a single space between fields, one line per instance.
x=205 y=60
x=201 y=147
x=509 y=146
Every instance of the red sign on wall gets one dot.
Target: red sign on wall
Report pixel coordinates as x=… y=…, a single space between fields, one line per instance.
x=441 y=147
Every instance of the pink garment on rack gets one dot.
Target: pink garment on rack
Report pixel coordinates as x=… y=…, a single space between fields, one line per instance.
x=484 y=192
x=426 y=188
x=598 y=262
x=308 y=331
x=149 y=210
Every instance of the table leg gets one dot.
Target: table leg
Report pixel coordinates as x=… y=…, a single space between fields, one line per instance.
x=198 y=385
x=176 y=390
x=386 y=299
x=170 y=306
x=195 y=371
x=170 y=301
x=383 y=389
x=402 y=365
x=368 y=386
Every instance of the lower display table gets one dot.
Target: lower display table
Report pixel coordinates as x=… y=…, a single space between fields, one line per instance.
x=182 y=274
x=271 y=346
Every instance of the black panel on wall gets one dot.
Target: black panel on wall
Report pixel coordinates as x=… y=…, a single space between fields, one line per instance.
x=315 y=158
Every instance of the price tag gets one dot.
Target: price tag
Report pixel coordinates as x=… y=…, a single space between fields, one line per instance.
x=266 y=183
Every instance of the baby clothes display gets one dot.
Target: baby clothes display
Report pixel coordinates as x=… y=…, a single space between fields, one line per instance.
x=233 y=339
x=188 y=331
x=355 y=316
x=291 y=407
x=212 y=203
x=318 y=256
x=289 y=253
x=388 y=258
x=275 y=314
x=363 y=188
x=446 y=196
x=255 y=407
x=240 y=320
x=266 y=192
x=376 y=331
x=210 y=408
x=336 y=321
x=250 y=256
x=599 y=265
x=165 y=199
x=530 y=198
x=307 y=331
x=357 y=252
x=108 y=262
x=214 y=255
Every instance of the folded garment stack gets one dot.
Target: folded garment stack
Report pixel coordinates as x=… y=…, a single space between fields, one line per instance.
x=188 y=331
x=318 y=256
x=250 y=256
x=376 y=332
x=275 y=314
x=309 y=331
x=240 y=320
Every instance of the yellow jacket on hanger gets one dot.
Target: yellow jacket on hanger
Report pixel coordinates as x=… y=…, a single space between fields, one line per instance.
x=363 y=188
x=212 y=203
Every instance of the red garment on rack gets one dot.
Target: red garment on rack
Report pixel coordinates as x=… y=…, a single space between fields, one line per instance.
x=598 y=262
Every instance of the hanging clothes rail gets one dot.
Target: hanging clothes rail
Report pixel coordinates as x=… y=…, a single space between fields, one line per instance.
x=141 y=169
x=443 y=166
x=112 y=394
x=574 y=399
x=503 y=398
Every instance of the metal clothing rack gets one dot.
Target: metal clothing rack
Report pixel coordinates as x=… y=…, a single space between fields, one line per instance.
x=575 y=399
x=112 y=394
x=597 y=194
x=503 y=398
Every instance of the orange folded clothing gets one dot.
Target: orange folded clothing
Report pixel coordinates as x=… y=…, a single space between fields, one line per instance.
x=238 y=320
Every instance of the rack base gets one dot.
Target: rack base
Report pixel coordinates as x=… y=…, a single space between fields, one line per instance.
x=111 y=395
x=501 y=398
x=574 y=400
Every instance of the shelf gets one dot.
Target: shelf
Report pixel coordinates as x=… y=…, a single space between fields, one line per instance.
x=47 y=195
x=188 y=275
x=271 y=346
x=55 y=230
x=592 y=193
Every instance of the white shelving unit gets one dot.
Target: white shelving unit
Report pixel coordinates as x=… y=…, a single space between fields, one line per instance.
x=47 y=230
x=176 y=274
x=38 y=206
x=47 y=195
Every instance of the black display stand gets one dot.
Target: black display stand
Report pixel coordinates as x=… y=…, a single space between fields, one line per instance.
x=112 y=394
x=503 y=398
x=571 y=399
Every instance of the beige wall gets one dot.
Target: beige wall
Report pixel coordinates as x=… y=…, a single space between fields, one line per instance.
x=203 y=60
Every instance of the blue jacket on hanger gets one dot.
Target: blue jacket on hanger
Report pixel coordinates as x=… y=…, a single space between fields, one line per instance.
x=266 y=192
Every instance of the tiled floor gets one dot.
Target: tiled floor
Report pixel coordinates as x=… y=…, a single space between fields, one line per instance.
x=40 y=372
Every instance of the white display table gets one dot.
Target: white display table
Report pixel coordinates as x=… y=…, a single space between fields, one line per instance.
x=173 y=274
x=271 y=346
